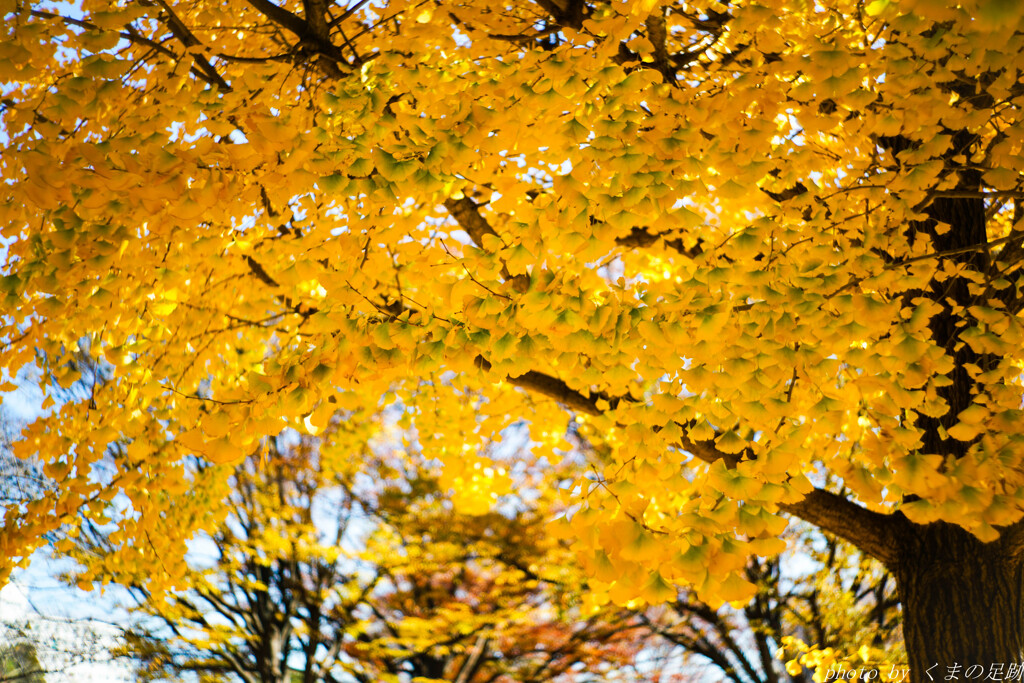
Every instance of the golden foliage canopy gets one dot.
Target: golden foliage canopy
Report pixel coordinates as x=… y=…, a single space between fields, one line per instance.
x=749 y=246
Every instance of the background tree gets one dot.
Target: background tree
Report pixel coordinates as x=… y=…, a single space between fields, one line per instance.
x=756 y=248
x=18 y=661
x=37 y=645
x=821 y=592
x=421 y=590
x=20 y=482
x=336 y=564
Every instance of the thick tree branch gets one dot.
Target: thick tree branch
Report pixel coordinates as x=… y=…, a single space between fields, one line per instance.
x=473 y=660
x=657 y=34
x=260 y=272
x=316 y=18
x=1012 y=539
x=566 y=12
x=188 y=39
x=466 y=213
x=282 y=17
x=555 y=389
x=313 y=33
x=642 y=238
x=206 y=73
x=876 y=534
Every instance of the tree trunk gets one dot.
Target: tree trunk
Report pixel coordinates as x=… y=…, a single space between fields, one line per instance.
x=963 y=604
x=963 y=608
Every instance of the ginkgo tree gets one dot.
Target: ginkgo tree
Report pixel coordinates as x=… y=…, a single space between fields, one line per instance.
x=750 y=247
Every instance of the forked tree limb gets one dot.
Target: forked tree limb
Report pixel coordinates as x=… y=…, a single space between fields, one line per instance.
x=876 y=534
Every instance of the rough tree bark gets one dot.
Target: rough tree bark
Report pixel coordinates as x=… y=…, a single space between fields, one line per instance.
x=962 y=604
